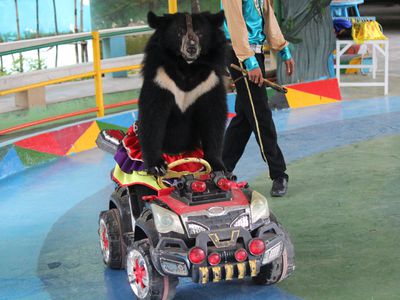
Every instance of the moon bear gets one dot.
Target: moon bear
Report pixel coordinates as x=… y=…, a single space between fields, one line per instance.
x=182 y=104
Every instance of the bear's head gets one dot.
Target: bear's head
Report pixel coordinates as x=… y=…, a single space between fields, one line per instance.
x=188 y=35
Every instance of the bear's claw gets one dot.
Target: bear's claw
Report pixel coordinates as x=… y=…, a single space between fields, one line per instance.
x=158 y=170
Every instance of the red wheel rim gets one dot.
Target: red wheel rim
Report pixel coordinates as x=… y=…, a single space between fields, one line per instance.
x=104 y=241
x=138 y=273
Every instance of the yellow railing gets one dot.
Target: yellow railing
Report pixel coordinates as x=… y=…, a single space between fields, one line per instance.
x=96 y=73
x=172 y=6
x=45 y=83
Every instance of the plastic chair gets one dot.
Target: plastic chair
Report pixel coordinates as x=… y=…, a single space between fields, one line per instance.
x=340 y=8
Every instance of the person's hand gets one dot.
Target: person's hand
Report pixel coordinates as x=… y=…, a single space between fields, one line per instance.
x=289 y=66
x=256 y=76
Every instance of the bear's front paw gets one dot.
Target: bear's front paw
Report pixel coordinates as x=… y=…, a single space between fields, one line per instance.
x=216 y=165
x=158 y=169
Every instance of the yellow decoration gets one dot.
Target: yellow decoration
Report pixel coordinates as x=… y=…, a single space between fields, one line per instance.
x=204 y=274
x=298 y=99
x=241 y=270
x=87 y=141
x=367 y=30
x=217 y=274
x=253 y=267
x=354 y=61
x=228 y=272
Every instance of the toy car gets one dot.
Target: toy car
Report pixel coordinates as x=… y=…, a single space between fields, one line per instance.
x=202 y=225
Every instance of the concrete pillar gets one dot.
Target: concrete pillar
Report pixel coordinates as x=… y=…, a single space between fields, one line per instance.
x=31 y=98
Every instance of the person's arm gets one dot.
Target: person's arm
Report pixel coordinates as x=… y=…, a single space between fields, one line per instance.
x=238 y=32
x=240 y=39
x=275 y=38
x=287 y=59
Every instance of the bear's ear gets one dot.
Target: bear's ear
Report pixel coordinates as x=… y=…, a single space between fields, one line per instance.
x=217 y=19
x=153 y=20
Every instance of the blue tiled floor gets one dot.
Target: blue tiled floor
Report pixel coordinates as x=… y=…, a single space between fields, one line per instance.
x=49 y=213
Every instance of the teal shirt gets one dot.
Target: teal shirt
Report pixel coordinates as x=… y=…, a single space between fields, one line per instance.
x=254 y=22
x=255 y=28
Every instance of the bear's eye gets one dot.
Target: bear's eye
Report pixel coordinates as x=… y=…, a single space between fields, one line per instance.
x=199 y=34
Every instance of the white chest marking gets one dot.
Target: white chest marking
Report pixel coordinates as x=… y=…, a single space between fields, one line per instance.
x=185 y=99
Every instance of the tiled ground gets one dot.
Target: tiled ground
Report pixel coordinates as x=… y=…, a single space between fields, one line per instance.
x=48 y=214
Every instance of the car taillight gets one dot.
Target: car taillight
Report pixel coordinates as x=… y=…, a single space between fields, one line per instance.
x=198 y=186
x=257 y=247
x=241 y=255
x=214 y=259
x=196 y=255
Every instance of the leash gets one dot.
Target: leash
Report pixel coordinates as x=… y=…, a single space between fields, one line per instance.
x=253 y=109
x=191 y=36
x=271 y=84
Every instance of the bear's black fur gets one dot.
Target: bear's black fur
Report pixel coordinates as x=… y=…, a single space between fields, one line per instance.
x=172 y=78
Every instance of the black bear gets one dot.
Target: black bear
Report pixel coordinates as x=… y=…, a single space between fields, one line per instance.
x=182 y=104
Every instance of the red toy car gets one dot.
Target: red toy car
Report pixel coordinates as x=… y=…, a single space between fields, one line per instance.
x=201 y=225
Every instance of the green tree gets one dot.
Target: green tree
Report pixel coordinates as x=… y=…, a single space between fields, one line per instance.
x=118 y=13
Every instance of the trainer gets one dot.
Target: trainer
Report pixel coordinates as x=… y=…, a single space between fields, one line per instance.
x=248 y=24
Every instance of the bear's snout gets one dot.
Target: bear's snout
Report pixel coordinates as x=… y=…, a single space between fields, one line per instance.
x=190 y=49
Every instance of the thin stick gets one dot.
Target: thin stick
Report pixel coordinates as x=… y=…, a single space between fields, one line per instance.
x=272 y=85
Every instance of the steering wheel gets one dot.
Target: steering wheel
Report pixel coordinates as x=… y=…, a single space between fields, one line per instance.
x=175 y=174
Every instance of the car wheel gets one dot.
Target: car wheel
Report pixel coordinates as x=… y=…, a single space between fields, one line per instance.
x=281 y=267
x=111 y=238
x=270 y=273
x=146 y=283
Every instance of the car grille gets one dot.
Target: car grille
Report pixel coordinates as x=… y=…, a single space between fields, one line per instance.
x=217 y=222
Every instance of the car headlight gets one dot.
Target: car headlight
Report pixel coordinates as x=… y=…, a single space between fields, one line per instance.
x=165 y=220
x=259 y=207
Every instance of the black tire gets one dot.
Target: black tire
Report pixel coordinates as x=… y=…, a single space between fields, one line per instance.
x=270 y=273
x=158 y=287
x=111 y=238
x=280 y=268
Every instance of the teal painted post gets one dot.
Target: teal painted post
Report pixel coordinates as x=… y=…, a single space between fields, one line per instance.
x=114 y=46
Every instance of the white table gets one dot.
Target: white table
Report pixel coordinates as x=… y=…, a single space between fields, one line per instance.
x=343 y=45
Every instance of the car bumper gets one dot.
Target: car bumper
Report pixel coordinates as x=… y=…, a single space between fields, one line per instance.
x=173 y=261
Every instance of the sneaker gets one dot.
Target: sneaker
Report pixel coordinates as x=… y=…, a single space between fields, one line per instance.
x=279 y=186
